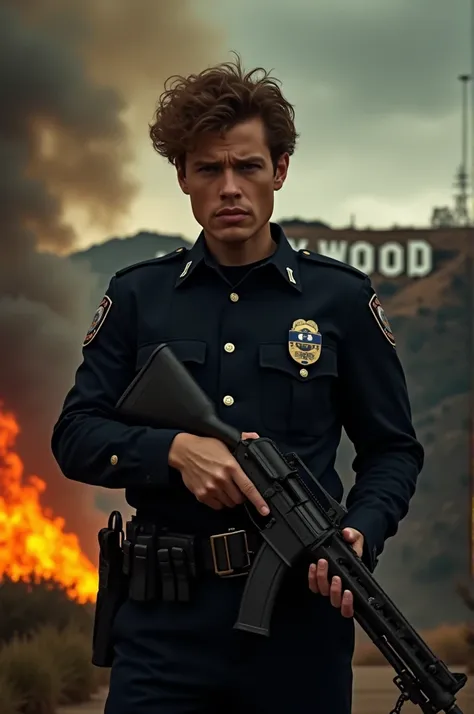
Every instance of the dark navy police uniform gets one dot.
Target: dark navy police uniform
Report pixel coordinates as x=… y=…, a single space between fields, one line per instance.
x=295 y=347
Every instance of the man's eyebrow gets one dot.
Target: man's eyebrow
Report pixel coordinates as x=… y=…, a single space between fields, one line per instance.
x=241 y=160
x=254 y=159
x=206 y=162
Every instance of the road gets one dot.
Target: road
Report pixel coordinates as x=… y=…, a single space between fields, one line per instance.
x=374 y=693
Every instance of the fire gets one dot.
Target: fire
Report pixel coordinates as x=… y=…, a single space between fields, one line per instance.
x=33 y=543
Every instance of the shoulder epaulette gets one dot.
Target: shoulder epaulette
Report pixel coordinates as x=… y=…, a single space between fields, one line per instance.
x=152 y=261
x=326 y=260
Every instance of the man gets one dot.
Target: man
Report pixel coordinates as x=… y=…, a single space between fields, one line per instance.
x=289 y=345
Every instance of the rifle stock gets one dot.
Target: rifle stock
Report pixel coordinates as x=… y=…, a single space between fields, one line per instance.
x=304 y=523
x=163 y=394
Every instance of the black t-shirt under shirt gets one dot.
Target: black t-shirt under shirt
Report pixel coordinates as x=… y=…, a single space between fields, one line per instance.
x=236 y=273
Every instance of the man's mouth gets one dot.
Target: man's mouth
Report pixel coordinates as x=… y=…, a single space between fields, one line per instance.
x=231 y=215
x=231 y=211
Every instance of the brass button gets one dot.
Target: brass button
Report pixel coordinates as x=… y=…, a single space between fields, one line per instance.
x=234 y=297
x=306 y=252
x=114 y=460
x=229 y=347
x=228 y=400
x=304 y=372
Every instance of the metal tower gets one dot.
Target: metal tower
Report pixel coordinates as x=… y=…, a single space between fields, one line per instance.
x=461 y=198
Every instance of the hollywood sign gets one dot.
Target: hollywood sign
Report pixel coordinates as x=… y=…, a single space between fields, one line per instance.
x=413 y=258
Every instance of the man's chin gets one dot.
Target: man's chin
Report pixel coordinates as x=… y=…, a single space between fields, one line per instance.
x=232 y=234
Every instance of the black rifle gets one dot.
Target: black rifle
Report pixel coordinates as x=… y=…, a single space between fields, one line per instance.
x=302 y=524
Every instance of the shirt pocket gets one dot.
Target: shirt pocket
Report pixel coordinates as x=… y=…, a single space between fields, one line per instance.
x=292 y=403
x=188 y=352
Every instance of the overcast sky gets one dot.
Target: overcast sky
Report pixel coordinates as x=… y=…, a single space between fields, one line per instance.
x=375 y=87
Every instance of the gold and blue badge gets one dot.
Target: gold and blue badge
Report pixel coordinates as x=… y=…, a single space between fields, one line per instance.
x=304 y=342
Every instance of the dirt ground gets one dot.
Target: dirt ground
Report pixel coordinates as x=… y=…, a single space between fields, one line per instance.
x=374 y=693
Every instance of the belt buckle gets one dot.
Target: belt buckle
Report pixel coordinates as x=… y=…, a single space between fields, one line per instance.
x=229 y=572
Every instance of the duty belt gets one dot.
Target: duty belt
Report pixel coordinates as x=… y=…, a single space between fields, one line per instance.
x=164 y=565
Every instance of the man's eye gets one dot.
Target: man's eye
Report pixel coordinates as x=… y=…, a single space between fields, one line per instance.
x=208 y=169
x=249 y=167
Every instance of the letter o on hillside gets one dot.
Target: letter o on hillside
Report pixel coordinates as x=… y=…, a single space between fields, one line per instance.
x=391 y=260
x=362 y=256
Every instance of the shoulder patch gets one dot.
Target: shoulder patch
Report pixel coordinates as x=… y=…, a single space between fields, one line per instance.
x=153 y=261
x=381 y=318
x=98 y=320
x=326 y=260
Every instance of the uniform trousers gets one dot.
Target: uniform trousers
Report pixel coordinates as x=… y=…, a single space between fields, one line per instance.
x=186 y=658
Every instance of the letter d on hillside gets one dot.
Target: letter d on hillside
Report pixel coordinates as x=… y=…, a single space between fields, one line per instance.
x=419 y=258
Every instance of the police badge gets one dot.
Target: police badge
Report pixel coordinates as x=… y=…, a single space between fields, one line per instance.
x=304 y=342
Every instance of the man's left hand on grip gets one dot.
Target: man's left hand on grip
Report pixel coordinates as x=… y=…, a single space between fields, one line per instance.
x=319 y=582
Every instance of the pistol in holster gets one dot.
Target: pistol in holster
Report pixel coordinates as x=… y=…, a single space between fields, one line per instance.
x=112 y=590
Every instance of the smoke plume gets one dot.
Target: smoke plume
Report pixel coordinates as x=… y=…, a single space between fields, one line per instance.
x=77 y=88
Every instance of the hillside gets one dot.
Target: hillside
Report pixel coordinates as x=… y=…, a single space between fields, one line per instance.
x=104 y=259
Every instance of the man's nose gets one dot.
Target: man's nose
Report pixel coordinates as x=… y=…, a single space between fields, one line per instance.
x=229 y=187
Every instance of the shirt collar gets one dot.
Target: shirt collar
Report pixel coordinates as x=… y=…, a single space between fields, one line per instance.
x=283 y=259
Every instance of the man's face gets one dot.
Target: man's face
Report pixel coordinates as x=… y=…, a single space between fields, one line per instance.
x=231 y=182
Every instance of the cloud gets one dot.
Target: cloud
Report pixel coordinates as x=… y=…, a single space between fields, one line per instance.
x=377 y=99
x=378 y=57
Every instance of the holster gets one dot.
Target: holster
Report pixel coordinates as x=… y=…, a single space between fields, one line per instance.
x=112 y=590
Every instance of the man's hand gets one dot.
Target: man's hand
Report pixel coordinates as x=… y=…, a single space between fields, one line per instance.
x=212 y=474
x=319 y=582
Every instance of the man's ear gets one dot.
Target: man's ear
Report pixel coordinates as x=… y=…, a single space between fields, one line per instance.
x=281 y=171
x=181 y=175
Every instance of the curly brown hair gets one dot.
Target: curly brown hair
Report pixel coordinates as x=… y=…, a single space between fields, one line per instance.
x=215 y=100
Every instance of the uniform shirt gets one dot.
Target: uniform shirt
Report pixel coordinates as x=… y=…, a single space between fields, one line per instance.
x=295 y=347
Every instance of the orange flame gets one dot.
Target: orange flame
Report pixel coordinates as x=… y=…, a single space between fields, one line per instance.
x=33 y=543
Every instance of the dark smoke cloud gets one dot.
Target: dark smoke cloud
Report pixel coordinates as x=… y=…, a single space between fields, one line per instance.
x=73 y=83
x=64 y=138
